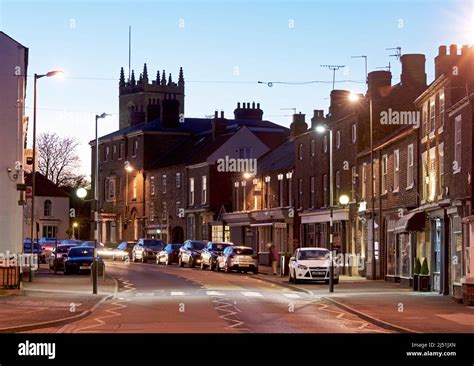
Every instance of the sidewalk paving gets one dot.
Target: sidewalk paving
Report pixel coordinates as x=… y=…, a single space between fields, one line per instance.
x=52 y=300
x=390 y=306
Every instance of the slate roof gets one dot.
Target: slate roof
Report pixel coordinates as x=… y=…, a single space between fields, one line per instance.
x=44 y=187
x=281 y=157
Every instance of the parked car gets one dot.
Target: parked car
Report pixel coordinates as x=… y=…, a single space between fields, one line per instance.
x=48 y=244
x=237 y=258
x=169 y=254
x=37 y=250
x=106 y=251
x=190 y=253
x=123 y=251
x=210 y=253
x=147 y=249
x=79 y=259
x=56 y=259
x=311 y=264
x=71 y=241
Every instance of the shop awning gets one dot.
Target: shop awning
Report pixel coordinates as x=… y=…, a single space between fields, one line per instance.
x=413 y=221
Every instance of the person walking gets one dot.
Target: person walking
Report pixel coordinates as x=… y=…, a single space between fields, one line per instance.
x=274 y=257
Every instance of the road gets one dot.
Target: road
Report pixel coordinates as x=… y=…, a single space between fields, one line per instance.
x=168 y=299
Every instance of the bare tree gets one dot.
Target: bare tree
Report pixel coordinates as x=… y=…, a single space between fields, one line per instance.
x=58 y=159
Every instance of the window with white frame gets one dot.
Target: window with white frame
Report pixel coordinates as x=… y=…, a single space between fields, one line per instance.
x=110 y=189
x=204 y=189
x=441 y=108
x=354 y=133
x=280 y=190
x=424 y=121
x=396 y=170
x=163 y=183
x=300 y=151
x=432 y=115
x=384 y=173
x=325 y=144
x=152 y=185
x=424 y=176
x=121 y=151
x=152 y=211
x=354 y=182
x=134 y=187
x=135 y=148
x=178 y=180
x=191 y=191
x=457 y=144
x=338 y=179
x=47 y=208
x=441 y=169
x=312 y=148
x=338 y=139
x=114 y=151
x=312 y=190
x=410 y=167
x=106 y=154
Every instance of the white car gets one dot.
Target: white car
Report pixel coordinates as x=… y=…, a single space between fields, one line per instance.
x=311 y=264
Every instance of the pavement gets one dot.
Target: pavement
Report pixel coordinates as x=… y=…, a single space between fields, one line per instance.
x=390 y=306
x=51 y=299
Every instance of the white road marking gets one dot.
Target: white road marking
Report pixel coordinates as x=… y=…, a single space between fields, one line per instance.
x=251 y=294
x=215 y=293
x=292 y=296
x=177 y=293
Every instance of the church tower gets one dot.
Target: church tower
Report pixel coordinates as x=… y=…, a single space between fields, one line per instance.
x=145 y=100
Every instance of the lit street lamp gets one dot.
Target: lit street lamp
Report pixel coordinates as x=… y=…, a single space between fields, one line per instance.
x=323 y=129
x=355 y=98
x=75 y=226
x=33 y=170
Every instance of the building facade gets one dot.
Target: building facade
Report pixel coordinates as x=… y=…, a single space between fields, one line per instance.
x=14 y=67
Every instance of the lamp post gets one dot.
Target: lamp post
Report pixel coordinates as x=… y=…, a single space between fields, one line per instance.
x=95 y=270
x=75 y=226
x=354 y=98
x=33 y=170
x=323 y=129
x=128 y=168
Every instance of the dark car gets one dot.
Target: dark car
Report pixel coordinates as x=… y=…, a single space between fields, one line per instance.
x=79 y=259
x=37 y=250
x=169 y=254
x=147 y=249
x=210 y=253
x=56 y=259
x=123 y=251
x=190 y=253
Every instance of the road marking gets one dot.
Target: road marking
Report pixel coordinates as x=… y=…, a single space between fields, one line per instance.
x=251 y=294
x=177 y=293
x=292 y=296
x=215 y=293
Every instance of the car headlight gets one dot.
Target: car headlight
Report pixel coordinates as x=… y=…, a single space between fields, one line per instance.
x=300 y=266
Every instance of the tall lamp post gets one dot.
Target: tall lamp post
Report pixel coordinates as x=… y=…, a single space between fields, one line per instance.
x=33 y=170
x=324 y=129
x=355 y=98
x=95 y=273
x=128 y=168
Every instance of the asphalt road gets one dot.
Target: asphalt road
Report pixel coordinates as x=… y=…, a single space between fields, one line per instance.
x=168 y=299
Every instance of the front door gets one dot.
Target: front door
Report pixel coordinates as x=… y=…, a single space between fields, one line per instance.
x=437 y=226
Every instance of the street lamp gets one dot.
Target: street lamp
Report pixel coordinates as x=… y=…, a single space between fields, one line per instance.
x=355 y=98
x=322 y=129
x=75 y=226
x=344 y=200
x=33 y=170
x=96 y=202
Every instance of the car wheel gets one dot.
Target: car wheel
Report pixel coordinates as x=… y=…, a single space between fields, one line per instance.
x=227 y=269
x=168 y=261
x=134 y=257
x=211 y=266
x=157 y=260
x=191 y=262
x=144 y=260
x=203 y=266
x=218 y=269
x=290 y=278
x=180 y=262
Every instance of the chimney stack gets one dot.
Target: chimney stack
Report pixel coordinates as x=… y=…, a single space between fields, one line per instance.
x=413 y=69
x=298 y=126
x=248 y=111
x=379 y=83
x=219 y=125
x=318 y=118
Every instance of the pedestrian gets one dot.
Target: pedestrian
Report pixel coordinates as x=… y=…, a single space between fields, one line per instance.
x=274 y=257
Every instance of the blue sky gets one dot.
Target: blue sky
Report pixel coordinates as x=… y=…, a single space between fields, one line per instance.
x=89 y=41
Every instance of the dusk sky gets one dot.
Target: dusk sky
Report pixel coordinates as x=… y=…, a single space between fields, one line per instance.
x=211 y=41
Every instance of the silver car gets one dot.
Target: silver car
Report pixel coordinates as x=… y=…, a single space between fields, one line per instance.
x=237 y=258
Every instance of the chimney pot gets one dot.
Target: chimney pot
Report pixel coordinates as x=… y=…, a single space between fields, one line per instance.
x=258 y=105
x=253 y=105
x=453 y=50
x=222 y=114
x=238 y=105
x=442 y=50
x=215 y=114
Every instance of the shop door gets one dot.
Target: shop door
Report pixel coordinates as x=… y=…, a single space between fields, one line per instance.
x=437 y=245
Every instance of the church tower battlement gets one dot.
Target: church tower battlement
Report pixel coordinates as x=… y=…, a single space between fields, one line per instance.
x=144 y=100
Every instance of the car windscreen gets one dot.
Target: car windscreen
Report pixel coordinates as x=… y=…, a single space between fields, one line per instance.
x=154 y=244
x=199 y=245
x=81 y=252
x=219 y=246
x=64 y=249
x=175 y=246
x=312 y=254
x=243 y=251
